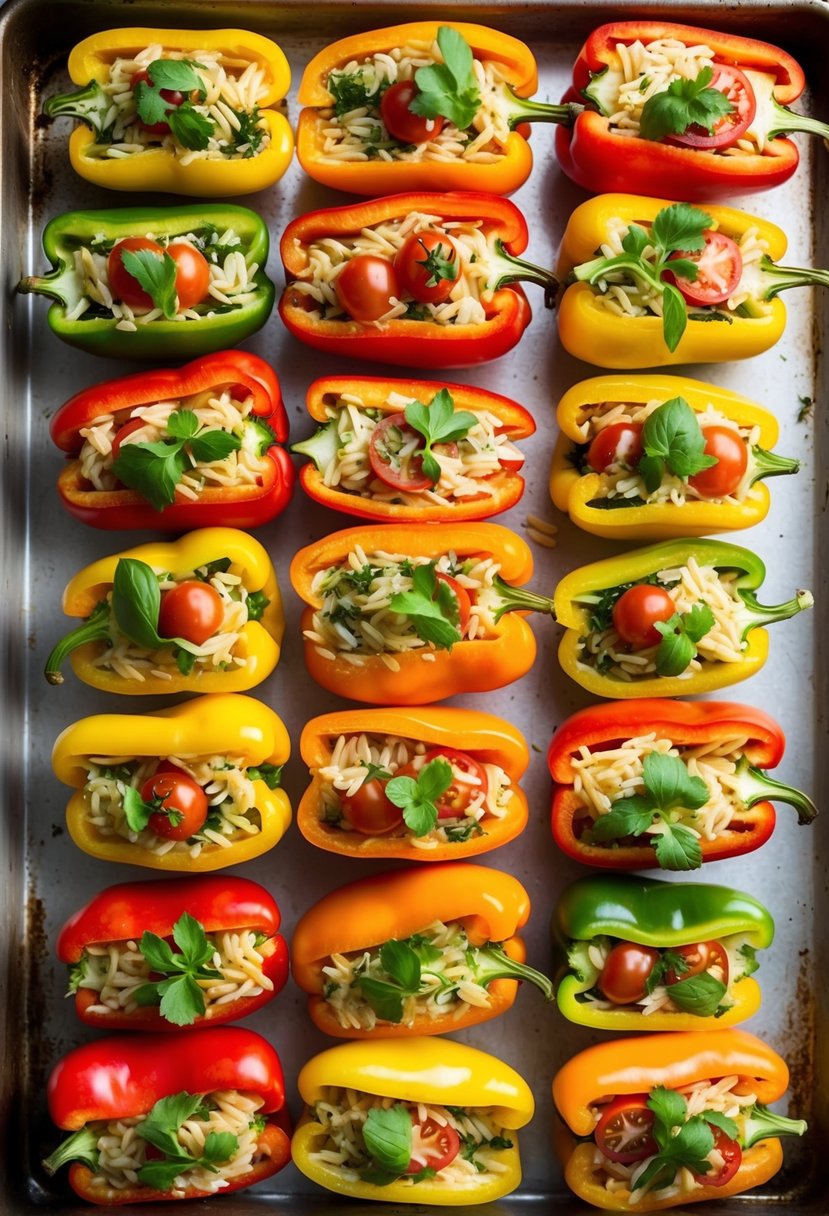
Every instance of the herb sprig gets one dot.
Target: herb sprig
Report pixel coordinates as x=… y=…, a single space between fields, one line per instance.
x=438 y=422
x=684 y=104
x=448 y=89
x=154 y=470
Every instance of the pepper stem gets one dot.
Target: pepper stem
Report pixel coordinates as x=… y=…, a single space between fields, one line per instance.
x=769 y=464
x=522 y=109
x=787 y=120
x=781 y=278
x=94 y=629
x=91 y=105
x=762 y=1124
x=322 y=447
x=60 y=284
x=491 y=963
x=80 y=1146
x=753 y=785
x=762 y=614
x=516 y=599
x=509 y=269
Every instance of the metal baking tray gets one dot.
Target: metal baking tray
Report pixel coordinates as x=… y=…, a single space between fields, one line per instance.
x=45 y=877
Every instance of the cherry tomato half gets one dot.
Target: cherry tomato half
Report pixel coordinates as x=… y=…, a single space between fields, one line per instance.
x=123 y=433
x=461 y=595
x=727 y=130
x=427 y=266
x=732 y=1156
x=619 y=443
x=699 y=957
x=390 y=435
x=636 y=612
x=401 y=123
x=719 y=270
x=454 y=801
x=171 y=96
x=192 y=274
x=626 y=972
x=192 y=610
x=365 y=287
x=731 y=455
x=181 y=796
x=369 y=811
x=624 y=1133
x=436 y=1146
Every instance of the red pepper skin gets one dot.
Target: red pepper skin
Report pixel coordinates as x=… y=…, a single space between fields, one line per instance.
x=125 y=509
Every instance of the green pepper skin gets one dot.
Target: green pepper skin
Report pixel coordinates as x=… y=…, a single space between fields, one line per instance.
x=160 y=340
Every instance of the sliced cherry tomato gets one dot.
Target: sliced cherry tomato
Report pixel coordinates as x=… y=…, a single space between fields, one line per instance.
x=123 y=286
x=619 y=443
x=624 y=1133
x=365 y=287
x=511 y=464
x=626 y=972
x=731 y=455
x=732 y=1156
x=636 y=612
x=192 y=610
x=183 y=808
x=719 y=270
x=399 y=120
x=369 y=811
x=124 y=432
x=172 y=96
x=699 y=957
x=192 y=274
x=390 y=435
x=461 y=595
x=454 y=801
x=438 y=1146
x=427 y=266
x=727 y=130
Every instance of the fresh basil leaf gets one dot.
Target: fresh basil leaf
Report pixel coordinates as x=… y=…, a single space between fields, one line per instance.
x=220 y=1146
x=147 y=994
x=183 y=424
x=208 y=446
x=378 y=1177
x=434 y=779
x=670 y=1110
x=636 y=240
x=384 y=998
x=192 y=129
x=400 y=962
x=627 y=817
x=430 y=467
x=179 y=75
x=651 y=469
x=153 y=470
x=669 y=783
x=387 y=1134
x=674 y=316
x=156 y=274
x=669 y=960
x=677 y=848
x=432 y=608
x=700 y=995
x=728 y=1126
x=165 y=1118
x=673 y=434
x=684 y=104
x=161 y=1175
x=676 y=650
x=185 y=661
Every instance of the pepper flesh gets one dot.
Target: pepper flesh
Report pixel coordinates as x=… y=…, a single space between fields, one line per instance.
x=220 y=724
x=490 y=740
x=374 y=393
x=159 y=168
x=574 y=492
x=243 y=506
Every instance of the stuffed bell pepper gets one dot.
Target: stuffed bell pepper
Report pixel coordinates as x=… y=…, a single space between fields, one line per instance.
x=413 y=450
x=420 y=279
x=640 y=954
x=188 y=952
x=667 y=783
x=188 y=789
x=671 y=1119
x=182 y=111
x=415 y=951
x=177 y=449
x=650 y=282
x=653 y=457
x=433 y=784
x=403 y=615
x=671 y=619
x=169 y=1116
x=422 y=1120
x=200 y=614
x=155 y=283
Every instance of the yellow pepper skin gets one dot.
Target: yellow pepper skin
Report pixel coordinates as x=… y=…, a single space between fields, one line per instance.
x=222 y=724
x=158 y=168
x=428 y=1070
x=592 y=333
x=572 y=491
x=259 y=642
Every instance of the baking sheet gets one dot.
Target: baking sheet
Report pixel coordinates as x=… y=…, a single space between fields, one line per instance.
x=47 y=877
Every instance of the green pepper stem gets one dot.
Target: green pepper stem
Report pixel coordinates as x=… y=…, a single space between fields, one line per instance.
x=787 y=121
x=762 y=614
x=781 y=278
x=60 y=284
x=516 y=599
x=91 y=105
x=769 y=464
x=762 y=1124
x=80 y=1146
x=522 y=109
x=491 y=963
x=94 y=629
x=322 y=446
x=753 y=785
x=509 y=269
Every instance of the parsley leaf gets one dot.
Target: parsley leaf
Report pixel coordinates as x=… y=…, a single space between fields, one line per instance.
x=431 y=606
x=160 y=1129
x=181 y=997
x=682 y=1142
x=714 y=1119
x=669 y=960
x=628 y=817
x=417 y=797
x=684 y=104
x=180 y=75
x=672 y=438
x=385 y=998
x=388 y=1137
x=677 y=848
x=192 y=129
x=349 y=91
x=749 y=956
x=670 y=784
x=271 y=774
x=680 y=228
x=154 y=470
x=156 y=273
x=680 y=634
x=256 y=603
x=401 y=963
x=448 y=89
x=438 y=423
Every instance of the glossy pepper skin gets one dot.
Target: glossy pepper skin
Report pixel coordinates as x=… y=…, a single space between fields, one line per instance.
x=639 y=564
x=375 y=177
x=597 y=336
x=639 y=1065
x=470 y=666
x=433 y=1071
x=259 y=642
x=573 y=491
x=422 y=344
x=122 y=1076
x=161 y=339
x=600 y=160
x=220 y=724
x=159 y=168
x=507 y=485
x=243 y=506
x=686 y=724
x=490 y=740
x=663 y=915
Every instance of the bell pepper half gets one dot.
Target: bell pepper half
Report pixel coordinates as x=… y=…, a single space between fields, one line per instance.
x=584 y=600
x=135 y=615
x=246 y=505
x=435 y=1072
x=601 y=158
x=712 y=333
x=689 y=725
x=705 y=933
x=181 y=986
x=217 y=725
x=624 y=1093
x=479 y=736
x=579 y=490
x=390 y=916
x=165 y=1080
x=415 y=343
x=166 y=164
x=500 y=490
x=76 y=318
x=475 y=665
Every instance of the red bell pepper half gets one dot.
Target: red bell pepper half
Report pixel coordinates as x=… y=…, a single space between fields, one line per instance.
x=129 y=1076
x=177 y=954
x=243 y=506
